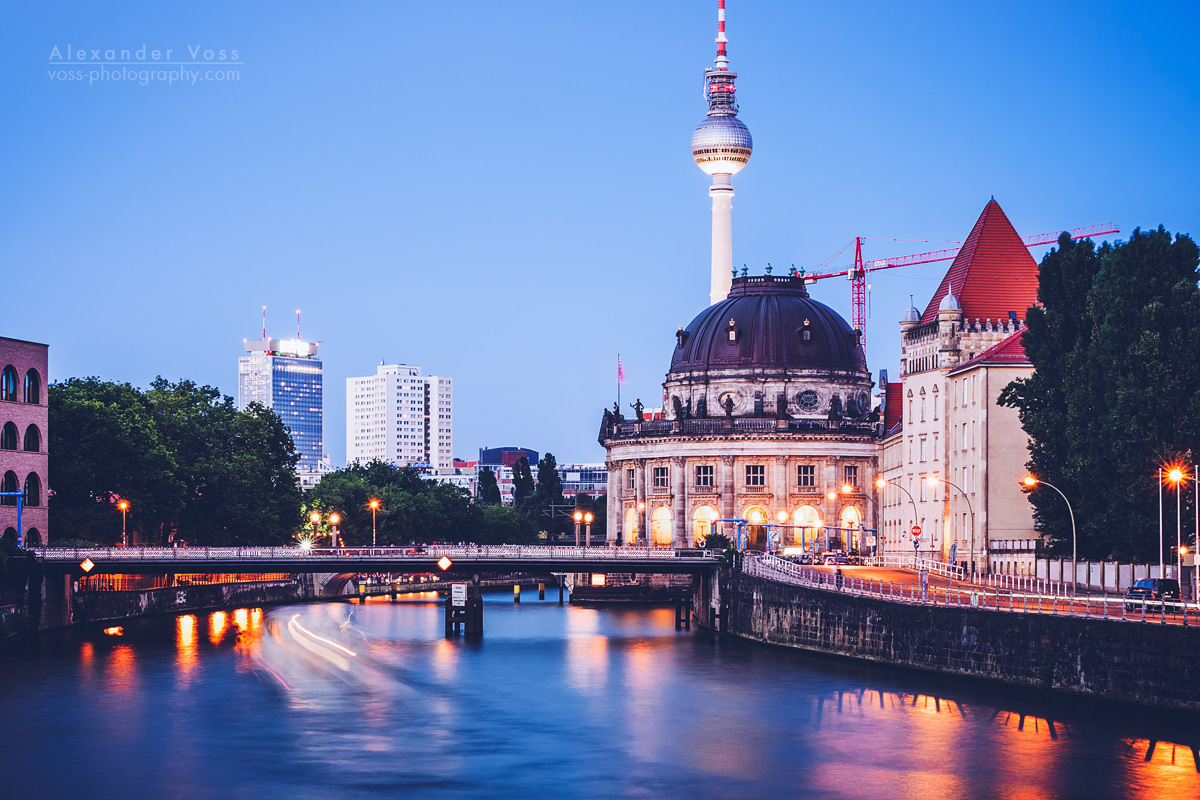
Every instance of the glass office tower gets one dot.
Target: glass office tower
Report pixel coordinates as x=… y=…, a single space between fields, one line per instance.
x=286 y=376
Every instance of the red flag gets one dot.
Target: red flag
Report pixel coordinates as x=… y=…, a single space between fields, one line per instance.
x=620 y=371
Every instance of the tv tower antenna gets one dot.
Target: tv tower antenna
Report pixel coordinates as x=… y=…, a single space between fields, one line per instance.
x=297 y=324
x=721 y=146
x=264 y=323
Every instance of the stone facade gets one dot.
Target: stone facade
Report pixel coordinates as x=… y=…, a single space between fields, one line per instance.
x=24 y=415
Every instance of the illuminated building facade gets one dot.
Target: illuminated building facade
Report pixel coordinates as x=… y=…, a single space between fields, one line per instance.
x=402 y=417
x=286 y=376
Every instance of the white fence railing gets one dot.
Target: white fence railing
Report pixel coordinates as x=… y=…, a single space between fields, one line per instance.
x=398 y=554
x=994 y=599
x=943 y=568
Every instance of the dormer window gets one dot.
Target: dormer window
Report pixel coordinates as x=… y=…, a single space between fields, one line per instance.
x=732 y=333
x=681 y=337
x=806 y=332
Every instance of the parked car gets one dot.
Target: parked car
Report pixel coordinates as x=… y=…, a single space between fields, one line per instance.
x=808 y=558
x=1151 y=591
x=831 y=559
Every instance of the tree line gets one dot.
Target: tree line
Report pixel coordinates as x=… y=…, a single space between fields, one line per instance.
x=1115 y=392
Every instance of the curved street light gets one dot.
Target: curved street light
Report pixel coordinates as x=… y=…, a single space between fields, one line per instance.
x=934 y=480
x=1031 y=482
x=882 y=483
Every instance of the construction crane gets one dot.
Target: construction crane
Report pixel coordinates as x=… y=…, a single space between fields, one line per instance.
x=858 y=273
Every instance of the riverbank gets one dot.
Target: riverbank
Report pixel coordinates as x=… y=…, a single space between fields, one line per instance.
x=1110 y=659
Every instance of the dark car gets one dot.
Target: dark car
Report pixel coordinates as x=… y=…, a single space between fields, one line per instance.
x=1151 y=591
x=831 y=559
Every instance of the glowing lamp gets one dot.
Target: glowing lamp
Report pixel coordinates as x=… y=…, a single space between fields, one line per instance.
x=1030 y=481
x=932 y=480
x=880 y=483
x=374 y=504
x=334 y=519
x=444 y=563
x=1176 y=475
x=641 y=506
x=123 y=505
x=782 y=516
x=598 y=579
x=579 y=516
x=847 y=488
x=86 y=565
x=1183 y=549
x=314 y=518
x=831 y=495
x=588 y=517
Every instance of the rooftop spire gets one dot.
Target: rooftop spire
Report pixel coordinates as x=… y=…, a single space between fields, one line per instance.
x=718 y=80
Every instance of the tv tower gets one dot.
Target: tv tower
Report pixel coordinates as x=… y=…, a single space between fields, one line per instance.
x=721 y=146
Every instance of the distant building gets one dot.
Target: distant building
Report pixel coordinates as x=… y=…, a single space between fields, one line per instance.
x=583 y=478
x=286 y=376
x=942 y=419
x=24 y=413
x=309 y=478
x=463 y=474
x=506 y=456
x=402 y=417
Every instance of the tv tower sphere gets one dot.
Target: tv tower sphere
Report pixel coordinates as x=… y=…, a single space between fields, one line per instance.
x=721 y=145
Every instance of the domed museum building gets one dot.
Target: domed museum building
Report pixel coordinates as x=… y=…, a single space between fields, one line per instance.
x=767 y=419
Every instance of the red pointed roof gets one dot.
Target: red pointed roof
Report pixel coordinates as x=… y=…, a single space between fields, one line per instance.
x=1009 y=352
x=893 y=406
x=992 y=274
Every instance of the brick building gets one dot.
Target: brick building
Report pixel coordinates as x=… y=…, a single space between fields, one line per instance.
x=24 y=417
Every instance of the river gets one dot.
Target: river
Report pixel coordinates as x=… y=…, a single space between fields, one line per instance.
x=348 y=700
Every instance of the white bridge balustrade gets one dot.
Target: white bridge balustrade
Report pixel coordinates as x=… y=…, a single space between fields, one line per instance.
x=971 y=596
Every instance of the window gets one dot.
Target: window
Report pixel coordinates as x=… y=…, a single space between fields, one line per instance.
x=33 y=490
x=806 y=475
x=704 y=475
x=8 y=437
x=924 y=449
x=850 y=475
x=935 y=447
x=33 y=439
x=922 y=412
x=662 y=477
x=33 y=387
x=923 y=496
x=631 y=478
x=9 y=484
x=756 y=475
x=8 y=384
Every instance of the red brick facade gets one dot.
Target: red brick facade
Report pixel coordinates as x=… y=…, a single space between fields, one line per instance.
x=24 y=424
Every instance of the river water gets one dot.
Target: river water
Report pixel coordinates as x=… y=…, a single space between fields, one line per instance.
x=348 y=700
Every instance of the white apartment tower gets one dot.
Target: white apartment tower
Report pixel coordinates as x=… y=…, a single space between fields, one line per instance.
x=400 y=416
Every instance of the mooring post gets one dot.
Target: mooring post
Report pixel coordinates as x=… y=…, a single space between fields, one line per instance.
x=516 y=594
x=541 y=590
x=449 y=617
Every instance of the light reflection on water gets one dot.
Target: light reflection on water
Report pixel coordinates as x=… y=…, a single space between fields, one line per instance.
x=372 y=700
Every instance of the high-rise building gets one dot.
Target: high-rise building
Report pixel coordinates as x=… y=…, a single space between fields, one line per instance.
x=400 y=416
x=286 y=376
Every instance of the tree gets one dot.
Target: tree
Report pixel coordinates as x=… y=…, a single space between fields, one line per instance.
x=523 y=488
x=1115 y=391
x=489 y=490
x=549 y=483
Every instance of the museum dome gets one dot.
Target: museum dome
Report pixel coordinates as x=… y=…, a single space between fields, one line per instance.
x=768 y=323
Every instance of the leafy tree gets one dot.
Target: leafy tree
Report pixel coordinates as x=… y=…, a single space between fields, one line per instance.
x=523 y=488
x=549 y=483
x=1116 y=387
x=489 y=490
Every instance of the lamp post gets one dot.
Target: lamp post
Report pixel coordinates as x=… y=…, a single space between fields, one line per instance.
x=578 y=519
x=587 y=535
x=124 y=506
x=315 y=519
x=849 y=489
x=374 y=506
x=882 y=483
x=1161 y=565
x=334 y=519
x=934 y=480
x=1031 y=482
x=1177 y=476
x=642 y=522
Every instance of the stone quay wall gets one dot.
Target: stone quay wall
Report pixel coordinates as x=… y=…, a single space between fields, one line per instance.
x=1118 y=660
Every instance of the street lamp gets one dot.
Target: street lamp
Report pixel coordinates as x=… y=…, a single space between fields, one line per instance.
x=578 y=519
x=334 y=519
x=882 y=483
x=124 y=506
x=373 y=504
x=1031 y=482
x=642 y=520
x=934 y=480
x=587 y=535
x=314 y=518
x=1177 y=476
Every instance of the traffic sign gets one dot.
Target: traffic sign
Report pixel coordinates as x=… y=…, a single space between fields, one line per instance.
x=916 y=530
x=458 y=595
x=870 y=541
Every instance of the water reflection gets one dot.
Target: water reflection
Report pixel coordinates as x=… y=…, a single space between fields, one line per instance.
x=572 y=702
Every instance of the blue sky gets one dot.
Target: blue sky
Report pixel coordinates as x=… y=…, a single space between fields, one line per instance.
x=503 y=192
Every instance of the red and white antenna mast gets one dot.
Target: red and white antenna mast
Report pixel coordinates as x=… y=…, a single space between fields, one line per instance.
x=264 y=323
x=297 y=324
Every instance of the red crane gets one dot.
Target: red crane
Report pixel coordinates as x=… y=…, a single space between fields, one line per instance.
x=858 y=273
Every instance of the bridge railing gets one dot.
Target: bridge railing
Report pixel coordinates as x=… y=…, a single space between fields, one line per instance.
x=943 y=568
x=399 y=554
x=1011 y=601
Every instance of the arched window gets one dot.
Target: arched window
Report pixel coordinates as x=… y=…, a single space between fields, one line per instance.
x=756 y=531
x=851 y=521
x=33 y=490
x=9 y=484
x=8 y=437
x=33 y=439
x=660 y=527
x=33 y=538
x=8 y=383
x=631 y=525
x=702 y=519
x=808 y=525
x=33 y=387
